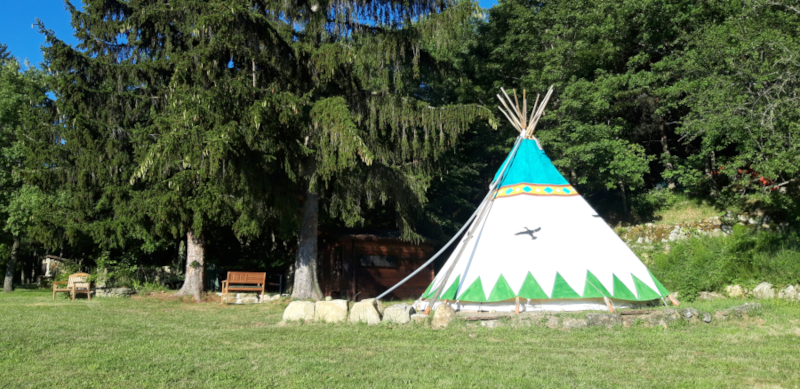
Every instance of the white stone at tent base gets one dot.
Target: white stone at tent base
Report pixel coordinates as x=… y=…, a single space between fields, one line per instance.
x=299 y=310
x=334 y=311
x=398 y=313
x=365 y=312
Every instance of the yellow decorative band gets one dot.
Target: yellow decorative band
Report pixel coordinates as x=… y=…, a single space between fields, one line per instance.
x=536 y=190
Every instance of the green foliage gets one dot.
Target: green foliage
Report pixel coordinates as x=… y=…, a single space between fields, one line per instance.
x=746 y=258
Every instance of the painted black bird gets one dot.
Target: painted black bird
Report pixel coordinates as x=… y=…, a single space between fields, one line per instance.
x=529 y=232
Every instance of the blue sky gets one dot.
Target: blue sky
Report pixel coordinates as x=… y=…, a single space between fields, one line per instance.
x=24 y=41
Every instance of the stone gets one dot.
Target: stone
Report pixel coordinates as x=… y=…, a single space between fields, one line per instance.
x=378 y=304
x=114 y=292
x=419 y=317
x=571 y=323
x=273 y=297
x=710 y=296
x=443 y=316
x=746 y=308
x=491 y=323
x=629 y=320
x=252 y=299
x=602 y=320
x=398 y=314
x=552 y=322
x=734 y=291
x=299 y=310
x=365 y=312
x=789 y=293
x=690 y=313
x=328 y=298
x=764 y=290
x=664 y=317
x=705 y=317
x=334 y=311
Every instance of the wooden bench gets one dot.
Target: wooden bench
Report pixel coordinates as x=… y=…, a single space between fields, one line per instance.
x=240 y=281
x=76 y=283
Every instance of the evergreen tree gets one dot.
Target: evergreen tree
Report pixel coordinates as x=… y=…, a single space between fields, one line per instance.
x=178 y=115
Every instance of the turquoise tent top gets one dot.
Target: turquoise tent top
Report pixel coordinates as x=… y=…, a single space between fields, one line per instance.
x=530 y=166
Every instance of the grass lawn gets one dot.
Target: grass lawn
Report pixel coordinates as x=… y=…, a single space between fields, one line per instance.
x=152 y=342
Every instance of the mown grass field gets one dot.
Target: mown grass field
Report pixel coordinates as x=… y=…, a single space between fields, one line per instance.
x=153 y=343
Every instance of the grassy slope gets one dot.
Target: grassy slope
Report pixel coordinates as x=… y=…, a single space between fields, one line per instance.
x=685 y=210
x=155 y=343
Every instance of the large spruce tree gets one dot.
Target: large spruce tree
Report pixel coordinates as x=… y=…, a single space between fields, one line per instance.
x=179 y=114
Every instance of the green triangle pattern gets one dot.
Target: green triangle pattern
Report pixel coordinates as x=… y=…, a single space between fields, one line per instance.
x=428 y=291
x=661 y=288
x=621 y=291
x=450 y=293
x=594 y=288
x=474 y=292
x=644 y=291
x=501 y=290
x=562 y=290
x=531 y=289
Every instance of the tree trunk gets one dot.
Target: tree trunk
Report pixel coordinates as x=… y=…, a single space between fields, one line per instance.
x=306 y=283
x=195 y=266
x=8 y=283
x=667 y=154
x=624 y=198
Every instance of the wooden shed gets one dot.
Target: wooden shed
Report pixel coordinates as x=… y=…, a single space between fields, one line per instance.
x=359 y=264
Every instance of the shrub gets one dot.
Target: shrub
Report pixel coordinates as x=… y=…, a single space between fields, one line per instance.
x=745 y=257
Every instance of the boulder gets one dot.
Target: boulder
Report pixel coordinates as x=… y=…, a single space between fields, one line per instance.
x=365 y=312
x=299 y=310
x=398 y=313
x=764 y=290
x=710 y=296
x=602 y=320
x=334 y=311
x=376 y=303
x=789 y=293
x=734 y=291
x=443 y=315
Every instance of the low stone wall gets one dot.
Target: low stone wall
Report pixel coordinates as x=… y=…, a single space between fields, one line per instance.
x=715 y=226
x=249 y=298
x=368 y=311
x=762 y=291
x=114 y=292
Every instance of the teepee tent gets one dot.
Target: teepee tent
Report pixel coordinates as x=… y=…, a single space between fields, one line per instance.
x=536 y=244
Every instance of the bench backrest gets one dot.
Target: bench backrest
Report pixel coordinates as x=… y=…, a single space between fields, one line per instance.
x=77 y=278
x=241 y=277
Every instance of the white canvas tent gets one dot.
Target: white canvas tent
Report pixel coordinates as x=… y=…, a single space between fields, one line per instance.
x=536 y=244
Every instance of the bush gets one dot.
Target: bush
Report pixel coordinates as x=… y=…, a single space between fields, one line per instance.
x=745 y=257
